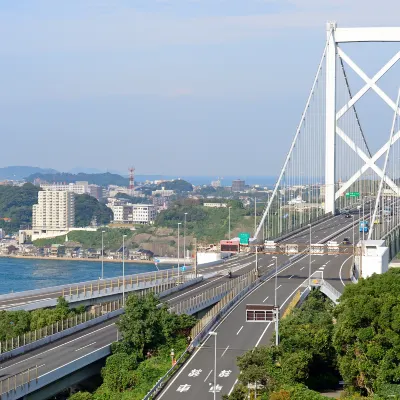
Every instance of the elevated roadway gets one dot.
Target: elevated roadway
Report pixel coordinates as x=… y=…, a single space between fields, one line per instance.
x=235 y=336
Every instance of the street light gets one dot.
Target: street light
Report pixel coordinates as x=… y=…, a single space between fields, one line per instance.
x=184 y=240
x=215 y=360
x=276 y=312
x=229 y=236
x=309 y=265
x=179 y=224
x=123 y=269
x=102 y=254
x=353 y=242
x=276 y=277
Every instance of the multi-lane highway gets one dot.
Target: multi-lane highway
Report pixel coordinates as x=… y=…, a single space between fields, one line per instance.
x=234 y=336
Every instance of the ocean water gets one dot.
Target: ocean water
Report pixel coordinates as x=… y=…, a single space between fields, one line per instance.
x=18 y=274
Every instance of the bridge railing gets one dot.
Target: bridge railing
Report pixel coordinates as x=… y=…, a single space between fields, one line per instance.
x=58 y=326
x=117 y=285
x=12 y=382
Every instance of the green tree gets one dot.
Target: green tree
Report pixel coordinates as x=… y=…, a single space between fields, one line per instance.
x=367 y=332
x=81 y=396
x=87 y=207
x=118 y=372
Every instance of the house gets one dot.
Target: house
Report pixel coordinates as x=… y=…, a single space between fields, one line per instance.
x=57 y=250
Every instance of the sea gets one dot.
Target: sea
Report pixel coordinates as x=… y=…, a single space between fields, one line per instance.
x=17 y=274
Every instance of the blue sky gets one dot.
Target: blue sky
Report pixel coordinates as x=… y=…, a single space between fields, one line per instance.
x=185 y=87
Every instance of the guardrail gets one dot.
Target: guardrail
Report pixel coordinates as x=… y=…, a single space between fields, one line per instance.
x=58 y=326
x=116 y=285
x=209 y=296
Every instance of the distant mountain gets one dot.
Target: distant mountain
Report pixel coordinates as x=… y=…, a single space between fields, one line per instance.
x=104 y=179
x=18 y=173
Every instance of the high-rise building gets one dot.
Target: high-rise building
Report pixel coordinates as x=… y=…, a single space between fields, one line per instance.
x=238 y=185
x=79 y=187
x=55 y=211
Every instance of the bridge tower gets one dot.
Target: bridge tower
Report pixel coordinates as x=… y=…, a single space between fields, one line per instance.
x=329 y=165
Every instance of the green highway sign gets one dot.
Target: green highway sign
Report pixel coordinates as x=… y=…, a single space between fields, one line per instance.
x=353 y=194
x=244 y=238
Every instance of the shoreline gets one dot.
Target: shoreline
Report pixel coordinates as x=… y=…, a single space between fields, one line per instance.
x=76 y=259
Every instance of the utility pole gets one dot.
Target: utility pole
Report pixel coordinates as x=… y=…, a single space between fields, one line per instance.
x=195 y=257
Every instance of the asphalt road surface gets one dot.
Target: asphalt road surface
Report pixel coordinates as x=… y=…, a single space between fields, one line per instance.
x=234 y=335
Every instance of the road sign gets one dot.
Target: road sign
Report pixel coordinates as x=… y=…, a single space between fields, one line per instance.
x=244 y=237
x=353 y=194
x=259 y=312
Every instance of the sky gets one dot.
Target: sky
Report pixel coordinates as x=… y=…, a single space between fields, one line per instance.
x=184 y=87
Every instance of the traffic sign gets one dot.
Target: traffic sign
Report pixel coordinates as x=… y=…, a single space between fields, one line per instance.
x=353 y=194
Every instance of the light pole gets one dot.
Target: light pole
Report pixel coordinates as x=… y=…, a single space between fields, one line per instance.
x=256 y=260
x=179 y=224
x=363 y=216
x=255 y=215
x=276 y=278
x=123 y=269
x=353 y=242
x=215 y=361
x=102 y=254
x=276 y=312
x=229 y=210
x=184 y=240
x=309 y=264
x=359 y=219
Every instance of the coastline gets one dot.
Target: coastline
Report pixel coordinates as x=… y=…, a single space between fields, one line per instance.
x=29 y=257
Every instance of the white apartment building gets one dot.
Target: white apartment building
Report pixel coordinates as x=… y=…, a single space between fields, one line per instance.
x=215 y=205
x=55 y=211
x=163 y=192
x=143 y=213
x=79 y=187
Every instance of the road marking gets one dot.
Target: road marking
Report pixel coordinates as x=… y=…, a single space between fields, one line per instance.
x=53 y=348
x=321 y=268
x=239 y=330
x=224 y=351
x=278 y=287
x=208 y=375
x=340 y=271
x=265 y=299
x=84 y=347
x=270 y=265
x=265 y=330
x=302 y=268
x=313 y=261
x=336 y=255
x=328 y=261
x=233 y=387
x=291 y=276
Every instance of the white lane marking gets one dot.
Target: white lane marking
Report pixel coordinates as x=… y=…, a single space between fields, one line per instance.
x=265 y=299
x=328 y=261
x=291 y=276
x=313 y=261
x=340 y=271
x=336 y=255
x=208 y=375
x=239 y=330
x=224 y=351
x=5 y=306
x=321 y=268
x=233 y=387
x=302 y=268
x=265 y=330
x=53 y=348
x=84 y=347
x=278 y=287
x=270 y=265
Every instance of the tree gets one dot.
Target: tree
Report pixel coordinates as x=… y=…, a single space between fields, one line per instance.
x=81 y=396
x=367 y=332
x=118 y=373
x=87 y=207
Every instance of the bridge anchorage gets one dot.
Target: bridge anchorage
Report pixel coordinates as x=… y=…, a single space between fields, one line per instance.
x=330 y=167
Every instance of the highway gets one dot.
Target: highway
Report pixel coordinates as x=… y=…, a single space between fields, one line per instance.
x=62 y=352
x=234 y=336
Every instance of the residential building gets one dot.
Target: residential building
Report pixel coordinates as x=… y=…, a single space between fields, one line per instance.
x=95 y=191
x=215 y=205
x=238 y=185
x=121 y=212
x=143 y=214
x=163 y=192
x=79 y=187
x=55 y=211
x=216 y=184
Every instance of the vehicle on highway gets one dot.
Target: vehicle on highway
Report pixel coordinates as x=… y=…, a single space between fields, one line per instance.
x=229 y=274
x=364 y=226
x=346 y=241
x=347 y=215
x=377 y=221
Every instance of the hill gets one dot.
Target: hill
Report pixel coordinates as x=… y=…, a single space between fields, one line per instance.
x=18 y=173
x=104 y=179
